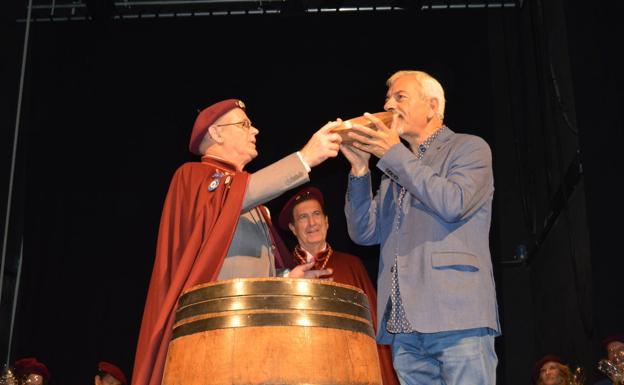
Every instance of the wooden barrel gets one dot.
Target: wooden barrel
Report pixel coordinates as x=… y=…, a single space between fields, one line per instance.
x=272 y=331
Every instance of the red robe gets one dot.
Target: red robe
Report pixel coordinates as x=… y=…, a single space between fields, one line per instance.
x=196 y=228
x=348 y=269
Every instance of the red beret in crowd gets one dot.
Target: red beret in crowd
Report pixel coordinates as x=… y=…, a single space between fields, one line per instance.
x=207 y=117
x=113 y=370
x=612 y=338
x=304 y=194
x=30 y=365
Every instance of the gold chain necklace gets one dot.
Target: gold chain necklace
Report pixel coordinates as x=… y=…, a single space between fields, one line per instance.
x=321 y=258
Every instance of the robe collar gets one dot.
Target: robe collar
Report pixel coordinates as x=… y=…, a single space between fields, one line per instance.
x=218 y=162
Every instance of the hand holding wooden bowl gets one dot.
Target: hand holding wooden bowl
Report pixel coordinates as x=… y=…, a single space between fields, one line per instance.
x=346 y=126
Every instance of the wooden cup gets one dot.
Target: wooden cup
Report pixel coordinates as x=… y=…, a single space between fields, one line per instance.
x=346 y=126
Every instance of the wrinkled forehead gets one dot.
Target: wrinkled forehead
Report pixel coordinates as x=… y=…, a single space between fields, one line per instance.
x=307 y=204
x=549 y=364
x=405 y=83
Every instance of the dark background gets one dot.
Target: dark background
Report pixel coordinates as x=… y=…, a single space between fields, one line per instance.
x=108 y=108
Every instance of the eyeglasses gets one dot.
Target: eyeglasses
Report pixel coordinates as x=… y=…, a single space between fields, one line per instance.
x=246 y=124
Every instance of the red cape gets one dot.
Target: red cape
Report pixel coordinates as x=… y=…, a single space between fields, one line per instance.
x=349 y=269
x=283 y=258
x=196 y=229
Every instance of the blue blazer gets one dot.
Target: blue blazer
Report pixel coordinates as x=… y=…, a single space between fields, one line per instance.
x=442 y=238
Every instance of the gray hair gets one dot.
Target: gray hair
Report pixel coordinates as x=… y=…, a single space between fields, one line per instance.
x=429 y=87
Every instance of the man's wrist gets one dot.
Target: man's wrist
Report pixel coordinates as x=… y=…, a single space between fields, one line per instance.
x=305 y=164
x=359 y=172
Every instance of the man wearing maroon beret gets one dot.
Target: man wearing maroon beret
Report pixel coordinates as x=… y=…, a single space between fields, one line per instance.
x=614 y=346
x=213 y=226
x=550 y=370
x=109 y=374
x=30 y=371
x=304 y=215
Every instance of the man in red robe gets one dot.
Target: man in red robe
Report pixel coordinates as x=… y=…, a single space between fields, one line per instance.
x=304 y=215
x=213 y=226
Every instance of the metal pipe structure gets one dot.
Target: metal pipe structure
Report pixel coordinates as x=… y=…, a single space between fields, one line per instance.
x=76 y=10
x=7 y=218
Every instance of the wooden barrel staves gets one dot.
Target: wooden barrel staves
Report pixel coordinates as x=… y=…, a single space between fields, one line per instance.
x=272 y=331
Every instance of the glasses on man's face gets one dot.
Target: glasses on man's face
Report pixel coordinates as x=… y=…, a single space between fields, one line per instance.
x=246 y=124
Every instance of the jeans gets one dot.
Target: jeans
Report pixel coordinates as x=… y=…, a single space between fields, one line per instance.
x=462 y=357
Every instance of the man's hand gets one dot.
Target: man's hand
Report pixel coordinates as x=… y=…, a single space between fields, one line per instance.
x=357 y=158
x=322 y=145
x=376 y=142
x=305 y=271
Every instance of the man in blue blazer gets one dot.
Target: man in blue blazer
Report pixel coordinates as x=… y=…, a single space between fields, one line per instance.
x=431 y=217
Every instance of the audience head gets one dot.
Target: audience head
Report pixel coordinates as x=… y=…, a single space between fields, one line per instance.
x=550 y=370
x=614 y=345
x=31 y=371
x=109 y=374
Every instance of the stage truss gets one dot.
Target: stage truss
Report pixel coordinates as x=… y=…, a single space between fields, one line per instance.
x=68 y=10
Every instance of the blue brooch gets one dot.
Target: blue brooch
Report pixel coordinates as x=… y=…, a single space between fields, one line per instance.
x=213 y=185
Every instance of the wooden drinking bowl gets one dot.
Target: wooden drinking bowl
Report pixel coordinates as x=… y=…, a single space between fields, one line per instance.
x=346 y=126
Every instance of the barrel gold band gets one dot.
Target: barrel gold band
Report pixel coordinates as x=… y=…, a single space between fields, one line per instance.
x=242 y=304
x=273 y=319
x=275 y=287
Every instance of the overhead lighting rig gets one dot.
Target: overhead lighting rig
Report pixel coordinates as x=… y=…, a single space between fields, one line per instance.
x=68 y=10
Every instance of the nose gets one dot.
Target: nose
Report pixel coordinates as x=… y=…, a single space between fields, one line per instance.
x=312 y=220
x=389 y=105
x=253 y=130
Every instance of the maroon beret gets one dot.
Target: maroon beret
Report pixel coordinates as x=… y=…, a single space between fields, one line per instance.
x=304 y=194
x=207 y=117
x=612 y=338
x=113 y=370
x=30 y=365
x=538 y=365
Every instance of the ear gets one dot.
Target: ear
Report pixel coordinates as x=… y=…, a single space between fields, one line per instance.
x=434 y=104
x=215 y=133
x=292 y=228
